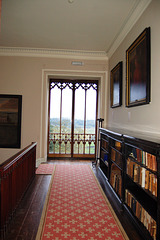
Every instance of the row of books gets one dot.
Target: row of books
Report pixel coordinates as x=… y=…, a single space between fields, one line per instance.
x=116 y=157
x=116 y=180
x=145 y=158
x=142 y=176
x=141 y=213
x=118 y=145
x=104 y=144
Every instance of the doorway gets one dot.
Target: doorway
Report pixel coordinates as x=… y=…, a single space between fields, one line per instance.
x=72 y=119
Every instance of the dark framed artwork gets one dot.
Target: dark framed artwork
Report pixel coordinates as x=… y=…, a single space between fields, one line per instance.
x=10 y=121
x=138 y=71
x=116 y=85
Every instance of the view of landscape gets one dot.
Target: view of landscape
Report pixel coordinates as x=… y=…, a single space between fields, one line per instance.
x=65 y=139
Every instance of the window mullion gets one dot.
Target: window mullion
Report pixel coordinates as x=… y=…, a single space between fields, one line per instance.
x=73 y=110
x=85 y=121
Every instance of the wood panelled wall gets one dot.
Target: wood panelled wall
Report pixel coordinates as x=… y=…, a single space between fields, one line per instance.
x=15 y=176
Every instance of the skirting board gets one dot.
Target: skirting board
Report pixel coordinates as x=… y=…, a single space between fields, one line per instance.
x=39 y=161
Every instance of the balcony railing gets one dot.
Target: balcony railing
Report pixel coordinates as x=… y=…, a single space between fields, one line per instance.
x=60 y=143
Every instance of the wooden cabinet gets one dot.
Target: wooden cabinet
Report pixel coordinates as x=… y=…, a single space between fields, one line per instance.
x=104 y=154
x=116 y=163
x=133 y=172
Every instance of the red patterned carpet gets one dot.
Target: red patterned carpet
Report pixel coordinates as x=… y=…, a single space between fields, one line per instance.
x=77 y=209
x=45 y=169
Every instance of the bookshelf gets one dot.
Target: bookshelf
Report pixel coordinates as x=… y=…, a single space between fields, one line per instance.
x=141 y=184
x=111 y=159
x=116 y=163
x=132 y=169
x=104 y=154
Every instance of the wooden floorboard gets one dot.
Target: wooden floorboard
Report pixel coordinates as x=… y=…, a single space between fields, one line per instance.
x=25 y=222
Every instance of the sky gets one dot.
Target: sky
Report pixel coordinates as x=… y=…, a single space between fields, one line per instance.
x=67 y=103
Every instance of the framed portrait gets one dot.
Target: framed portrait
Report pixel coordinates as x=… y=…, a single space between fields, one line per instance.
x=138 y=71
x=10 y=121
x=116 y=86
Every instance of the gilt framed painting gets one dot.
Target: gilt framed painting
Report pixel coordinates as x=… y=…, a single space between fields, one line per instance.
x=138 y=71
x=116 y=86
x=10 y=121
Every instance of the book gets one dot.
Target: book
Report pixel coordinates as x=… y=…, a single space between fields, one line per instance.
x=136 y=173
x=144 y=158
x=146 y=179
x=143 y=177
x=139 y=155
x=151 y=176
x=154 y=163
x=138 y=210
x=154 y=185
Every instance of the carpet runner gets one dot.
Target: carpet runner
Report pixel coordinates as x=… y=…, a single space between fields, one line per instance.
x=45 y=169
x=76 y=208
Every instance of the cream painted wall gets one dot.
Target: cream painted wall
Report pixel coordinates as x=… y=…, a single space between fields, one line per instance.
x=146 y=118
x=28 y=76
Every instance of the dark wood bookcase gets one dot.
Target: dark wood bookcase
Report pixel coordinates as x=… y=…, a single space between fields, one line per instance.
x=131 y=166
x=104 y=154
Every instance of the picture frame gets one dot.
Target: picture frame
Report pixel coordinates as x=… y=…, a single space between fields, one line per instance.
x=138 y=70
x=116 y=86
x=10 y=120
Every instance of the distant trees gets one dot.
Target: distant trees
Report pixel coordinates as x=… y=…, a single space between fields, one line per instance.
x=66 y=135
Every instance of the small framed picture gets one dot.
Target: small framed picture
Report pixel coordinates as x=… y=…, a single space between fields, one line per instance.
x=138 y=71
x=10 y=121
x=116 y=86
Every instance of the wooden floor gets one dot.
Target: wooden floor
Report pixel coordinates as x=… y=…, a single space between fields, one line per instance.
x=25 y=222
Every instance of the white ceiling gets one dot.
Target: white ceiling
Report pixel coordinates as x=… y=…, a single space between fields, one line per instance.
x=84 y=25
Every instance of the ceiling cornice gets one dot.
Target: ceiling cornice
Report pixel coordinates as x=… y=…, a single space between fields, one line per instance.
x=128 y=25
x=80 y=54
x=53 y=53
